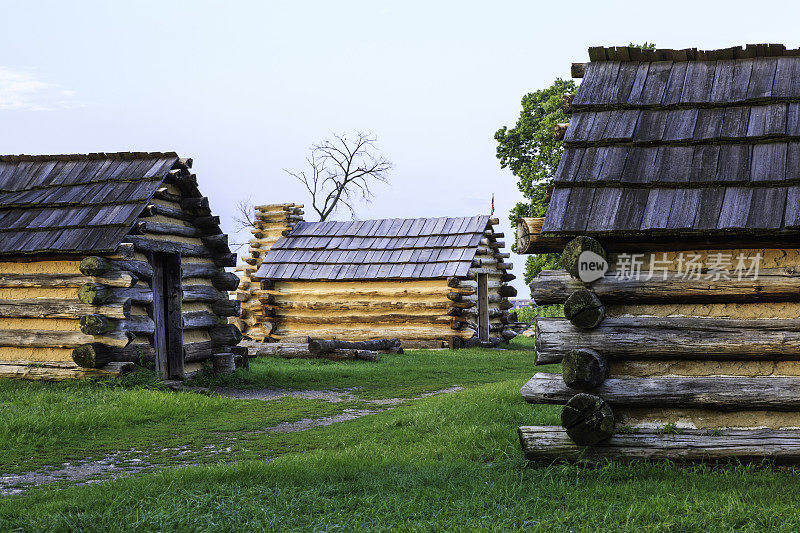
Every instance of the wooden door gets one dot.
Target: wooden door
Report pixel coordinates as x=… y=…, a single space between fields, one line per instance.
x=167 y=302
x=483 y=307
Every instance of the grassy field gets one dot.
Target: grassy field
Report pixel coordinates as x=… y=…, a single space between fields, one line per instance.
x=444 y=462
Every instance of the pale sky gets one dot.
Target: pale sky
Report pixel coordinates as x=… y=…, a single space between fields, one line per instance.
x=245 y=88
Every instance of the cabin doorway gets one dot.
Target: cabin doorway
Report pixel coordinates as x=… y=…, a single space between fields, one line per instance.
x=483 y=307
x=167 y=303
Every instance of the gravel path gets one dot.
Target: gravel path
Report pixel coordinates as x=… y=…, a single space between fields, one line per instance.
x=130 y=462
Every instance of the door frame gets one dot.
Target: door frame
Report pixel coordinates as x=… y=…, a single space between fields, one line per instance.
x=167 y=315
x=483 y=307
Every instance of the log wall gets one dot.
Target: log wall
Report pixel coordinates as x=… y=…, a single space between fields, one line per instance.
x=752 y=320
x=699 y=355
x=414 y=311
x=271 y=223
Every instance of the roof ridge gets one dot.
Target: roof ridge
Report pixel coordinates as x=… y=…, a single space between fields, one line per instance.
x=94 y=155
x=633 y=53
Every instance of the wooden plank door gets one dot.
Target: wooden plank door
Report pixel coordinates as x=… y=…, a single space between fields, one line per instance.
x=483 y=307
x=167 y=303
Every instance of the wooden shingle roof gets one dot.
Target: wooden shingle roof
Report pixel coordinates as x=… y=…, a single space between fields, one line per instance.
x=75 y=203
x=682 y=142
x=414 y=248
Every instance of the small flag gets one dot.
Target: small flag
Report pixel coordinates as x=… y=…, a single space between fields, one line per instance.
x=492 y=211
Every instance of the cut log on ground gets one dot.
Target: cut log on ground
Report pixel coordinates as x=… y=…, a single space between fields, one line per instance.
x=301 y=351
x=551 y=443
x=672 y=338
x=772 y=285
x=317 y=346
x=717 y=392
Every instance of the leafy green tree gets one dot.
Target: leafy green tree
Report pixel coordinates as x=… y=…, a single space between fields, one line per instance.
x=532 y=153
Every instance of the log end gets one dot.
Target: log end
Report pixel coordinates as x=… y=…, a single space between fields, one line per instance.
x=583 y=369
x=574 y=248
x=584 y=309
x=588 y=419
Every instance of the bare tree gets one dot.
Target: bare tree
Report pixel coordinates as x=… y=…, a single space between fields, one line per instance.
x=243 y=218
x=341 y=171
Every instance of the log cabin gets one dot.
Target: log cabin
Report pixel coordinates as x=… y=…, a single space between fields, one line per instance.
x=107 y=260
x=680 y=176
x=431 y=282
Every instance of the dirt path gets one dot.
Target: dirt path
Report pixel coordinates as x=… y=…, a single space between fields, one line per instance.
x=130 y=462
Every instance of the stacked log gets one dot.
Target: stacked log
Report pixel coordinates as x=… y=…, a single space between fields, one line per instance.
x=271 y=223
x=693 y=367
x=491 y=260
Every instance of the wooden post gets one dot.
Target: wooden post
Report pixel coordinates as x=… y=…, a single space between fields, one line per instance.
x=483 y=307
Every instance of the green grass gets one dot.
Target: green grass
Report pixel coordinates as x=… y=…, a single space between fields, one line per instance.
x=443 y=463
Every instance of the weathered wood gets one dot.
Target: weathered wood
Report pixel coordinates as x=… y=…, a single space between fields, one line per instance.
x=551 y=443
x=506 y=277
x=194 y=204
x=57 y=339
x=96 y=266
x=225 y=281
x=324 y=346
x=200 y=320
x=583 y=369
x=58 y=308
x=588 y=419
x=573 y=250
x=717 y=392
x=227 y=334
x=772 y=285
x=483 y=307
x=173 y=295
x=225 y=260
x=507 y=291
x=111 y=279
x=227 y=307
x=201 y=293
x=157 y=209
x=672 y=338
x=566 y=103
x=560 y=130
x=99 y=325
x=578 y=70
x=529 y=236
x=199 y=351
x=205 y=222
x=95 y=324
x=98 y=294
x=163 y=228
x=584 y=310
x=94 y=293
x=216 y=242
x=94 y=355
x=199 y=270
x=301 y=351
x=223 y=363
x=143 y=244
x=59 y=370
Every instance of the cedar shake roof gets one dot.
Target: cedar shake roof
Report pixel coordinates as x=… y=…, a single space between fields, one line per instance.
x=75 y=203
x=682 y=142
x=395 y=248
